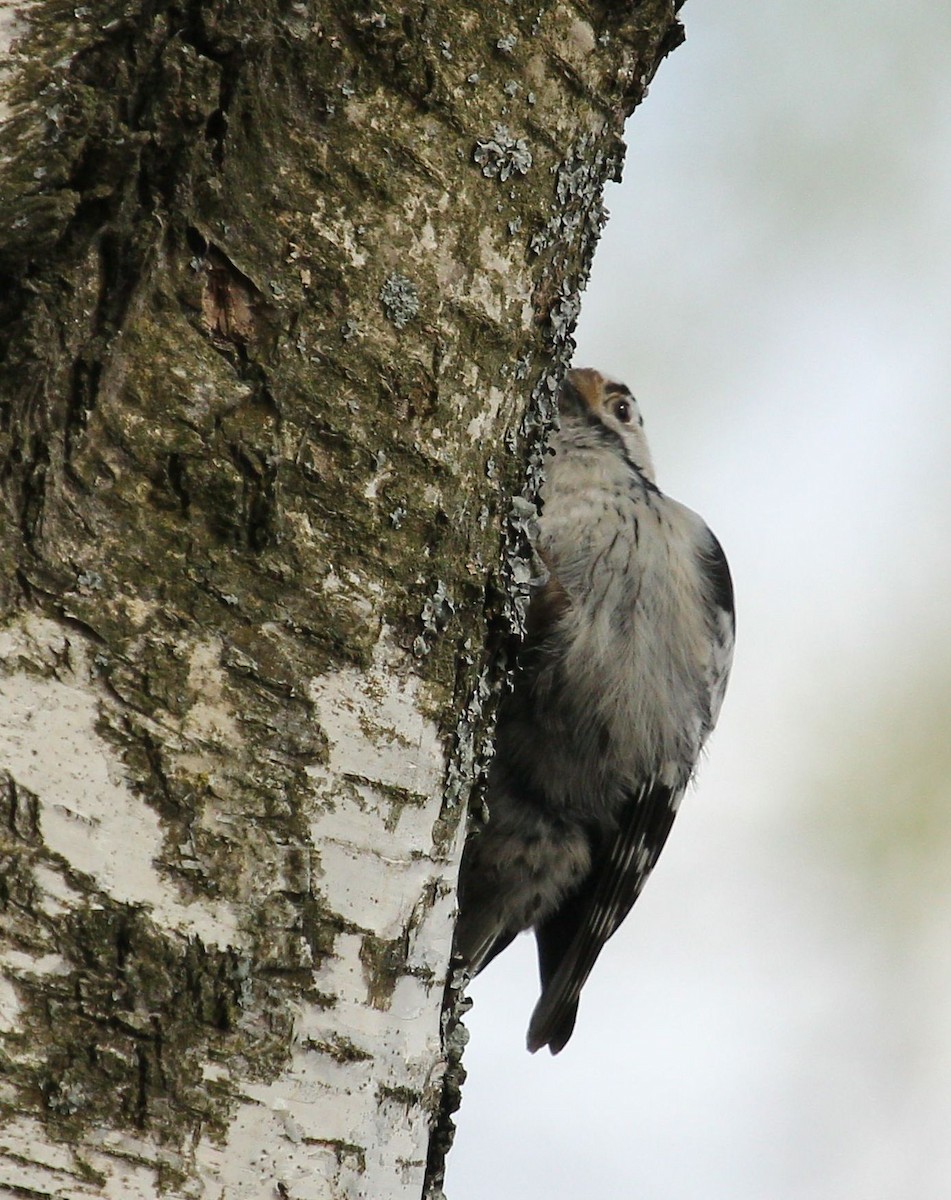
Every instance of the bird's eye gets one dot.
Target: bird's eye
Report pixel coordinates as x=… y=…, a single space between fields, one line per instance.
x=622 y=410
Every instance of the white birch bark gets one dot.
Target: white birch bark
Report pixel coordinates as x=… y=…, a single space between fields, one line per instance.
x=349 y=1109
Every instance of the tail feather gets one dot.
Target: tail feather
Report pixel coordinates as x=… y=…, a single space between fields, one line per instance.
x=553 y=1021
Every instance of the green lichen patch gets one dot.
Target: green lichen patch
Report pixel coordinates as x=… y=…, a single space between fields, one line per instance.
x=384 y=963
x=19 y=811
x=123 y=1034
x=341 y=1049
x=405 y=1097
x=348 y=1154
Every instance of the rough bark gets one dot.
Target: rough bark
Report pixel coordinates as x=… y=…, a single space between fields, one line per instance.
x=287 y=289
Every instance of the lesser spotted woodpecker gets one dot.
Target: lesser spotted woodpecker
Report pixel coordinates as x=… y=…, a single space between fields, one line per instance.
x=620 y=680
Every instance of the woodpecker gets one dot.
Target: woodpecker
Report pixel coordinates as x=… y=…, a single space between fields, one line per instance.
x=617 y=687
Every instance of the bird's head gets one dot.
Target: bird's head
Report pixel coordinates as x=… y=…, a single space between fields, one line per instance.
x=587 y=395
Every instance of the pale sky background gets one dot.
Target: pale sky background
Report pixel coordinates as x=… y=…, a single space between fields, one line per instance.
x=773 y=1021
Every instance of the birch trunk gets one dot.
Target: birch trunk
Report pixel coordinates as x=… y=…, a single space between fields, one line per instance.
x=287 y=289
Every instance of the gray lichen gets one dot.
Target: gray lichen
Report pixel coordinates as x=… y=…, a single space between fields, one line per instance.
x=400 y=299
x=502 y=155
x=437 y=610
x=564 y=313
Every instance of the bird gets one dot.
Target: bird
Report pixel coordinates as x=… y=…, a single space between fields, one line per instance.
x=617 y=686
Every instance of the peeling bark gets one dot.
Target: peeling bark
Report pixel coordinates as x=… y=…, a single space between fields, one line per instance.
x=286 y=293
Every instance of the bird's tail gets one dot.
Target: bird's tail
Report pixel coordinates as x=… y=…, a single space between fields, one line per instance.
x=553 y=1020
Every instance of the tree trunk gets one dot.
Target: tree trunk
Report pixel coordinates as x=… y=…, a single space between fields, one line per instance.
x=287 y=290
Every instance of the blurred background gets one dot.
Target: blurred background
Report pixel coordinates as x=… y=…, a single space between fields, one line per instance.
x=774 y=1018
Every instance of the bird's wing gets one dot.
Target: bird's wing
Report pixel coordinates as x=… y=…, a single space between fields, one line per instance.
x=722 y=622
x=570 y=941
